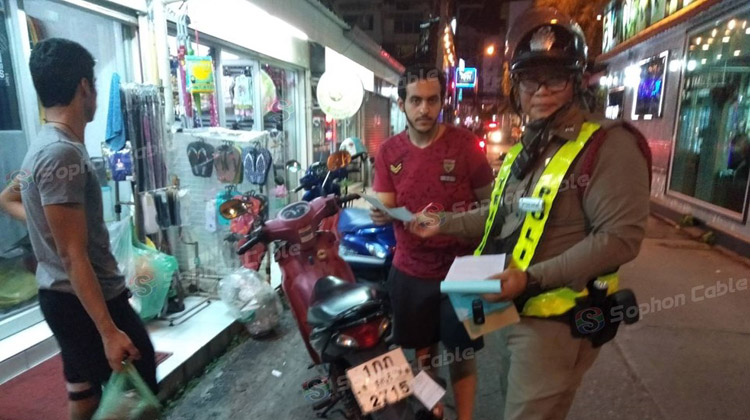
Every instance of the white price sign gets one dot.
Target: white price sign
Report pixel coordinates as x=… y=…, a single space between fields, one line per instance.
x=383 y=380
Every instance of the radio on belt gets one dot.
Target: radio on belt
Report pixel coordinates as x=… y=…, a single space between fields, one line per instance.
x=531 y=204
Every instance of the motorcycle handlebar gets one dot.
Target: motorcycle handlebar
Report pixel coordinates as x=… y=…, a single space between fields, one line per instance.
x=347 y=198
x=255 y=237
x=298 y=189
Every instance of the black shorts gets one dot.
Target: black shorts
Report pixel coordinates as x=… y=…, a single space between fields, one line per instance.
x=81 y=345
x=422 y=316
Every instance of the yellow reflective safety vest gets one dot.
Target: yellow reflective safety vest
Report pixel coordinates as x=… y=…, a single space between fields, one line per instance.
x=557 y=301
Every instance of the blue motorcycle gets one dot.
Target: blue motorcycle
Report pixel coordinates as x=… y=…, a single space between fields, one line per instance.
x=367 y=248
x=318 y=181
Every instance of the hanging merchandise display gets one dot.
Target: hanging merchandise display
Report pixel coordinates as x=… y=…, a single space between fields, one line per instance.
x=195 y=80
x=242 y=95
x=238 y=96
x=148 y=210
x=115 y=136
x=228 y=164
x=267 y=92
x=201 y=158
x=121 y=164
x=144 y=116
x=221 y=198
x=210 y=216
x=200 y=74
x=257 y=162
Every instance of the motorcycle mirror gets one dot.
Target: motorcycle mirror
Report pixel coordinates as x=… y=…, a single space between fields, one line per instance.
x=233 y=209
x=339 y=160
x=293 y=166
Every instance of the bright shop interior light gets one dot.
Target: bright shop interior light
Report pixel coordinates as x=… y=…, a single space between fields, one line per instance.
x=691 y=65
x=731 y=24
x=705 y=47
x=676 y=65
x=633 y=76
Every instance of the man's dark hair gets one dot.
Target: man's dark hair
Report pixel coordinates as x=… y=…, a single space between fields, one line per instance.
x=57 y=66
x=420 y=72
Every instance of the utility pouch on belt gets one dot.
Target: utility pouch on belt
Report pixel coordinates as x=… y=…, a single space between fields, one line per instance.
x=597 y=316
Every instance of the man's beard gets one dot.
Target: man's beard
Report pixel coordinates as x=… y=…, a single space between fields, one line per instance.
x=413 y=125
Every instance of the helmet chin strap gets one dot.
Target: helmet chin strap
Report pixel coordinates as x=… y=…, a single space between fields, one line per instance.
x=535 y=139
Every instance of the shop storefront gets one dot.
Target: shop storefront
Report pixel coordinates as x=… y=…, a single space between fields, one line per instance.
x=680 y=72
x=249 y=75
x=111 y=37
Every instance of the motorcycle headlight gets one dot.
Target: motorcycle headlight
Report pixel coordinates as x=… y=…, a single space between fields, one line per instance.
x=377 y=250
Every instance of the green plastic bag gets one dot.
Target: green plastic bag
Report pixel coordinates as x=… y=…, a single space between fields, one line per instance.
x=151 y=280
x=127 y=397
x=148 y=272
x=16 y=284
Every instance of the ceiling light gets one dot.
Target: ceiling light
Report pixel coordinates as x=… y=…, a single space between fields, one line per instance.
x=713 y=33
x=718 y=56
x=705 y=47
x=703 y=61
x=698 y=41
x=710 y=40
x=731 y=24
x=598 y=17
x=725 y=40
x=747 y=31
x=692 y=65
x=736 y=53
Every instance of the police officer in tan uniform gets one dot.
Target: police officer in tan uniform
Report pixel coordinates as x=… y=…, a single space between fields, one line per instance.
x=569 y=207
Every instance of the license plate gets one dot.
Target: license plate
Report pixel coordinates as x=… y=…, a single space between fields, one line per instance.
x=383 y=380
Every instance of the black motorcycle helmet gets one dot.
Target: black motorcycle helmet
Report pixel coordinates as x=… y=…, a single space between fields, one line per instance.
x=546 y=37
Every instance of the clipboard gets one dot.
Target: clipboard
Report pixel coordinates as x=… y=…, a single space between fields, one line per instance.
x=492 y=322
x=497 y=315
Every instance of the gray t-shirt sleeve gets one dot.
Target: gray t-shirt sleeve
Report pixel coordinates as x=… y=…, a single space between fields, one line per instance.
x=60 y=174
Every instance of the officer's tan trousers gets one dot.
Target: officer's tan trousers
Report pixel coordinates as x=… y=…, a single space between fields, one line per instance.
x=542 y=368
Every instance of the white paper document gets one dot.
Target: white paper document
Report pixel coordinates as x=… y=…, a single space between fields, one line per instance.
x=471 y=269
x=427 y=391
x=399 y=213
x=476 y=267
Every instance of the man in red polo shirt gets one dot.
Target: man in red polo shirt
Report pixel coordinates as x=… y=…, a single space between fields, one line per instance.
x=441 y=166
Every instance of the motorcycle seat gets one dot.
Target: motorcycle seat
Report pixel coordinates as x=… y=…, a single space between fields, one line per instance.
x=353 y=219
x=334 y=299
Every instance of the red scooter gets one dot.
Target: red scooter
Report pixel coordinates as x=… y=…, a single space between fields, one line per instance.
x=343 y=324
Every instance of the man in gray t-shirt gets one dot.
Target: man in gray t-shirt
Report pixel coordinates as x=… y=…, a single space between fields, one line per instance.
x=61 y=173
x=81 y=292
